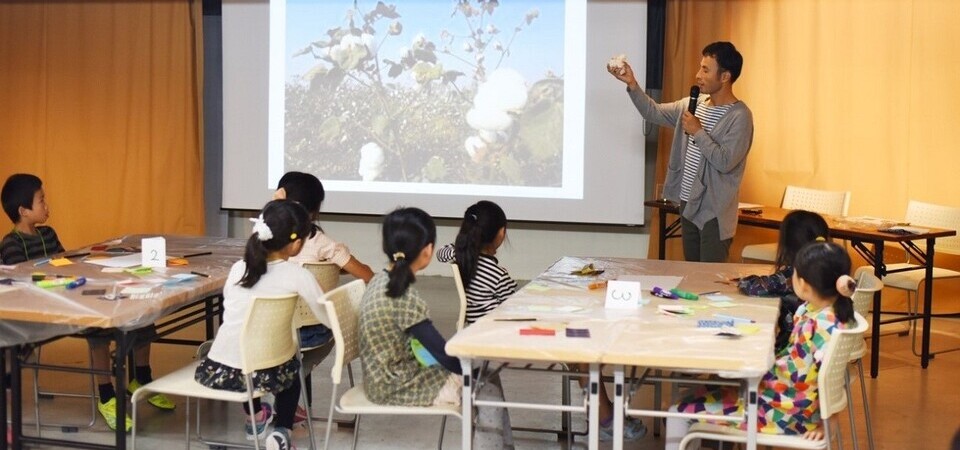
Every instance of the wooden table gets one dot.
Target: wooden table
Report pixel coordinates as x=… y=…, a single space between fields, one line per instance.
x=31 y=314
x=866 y=240
x=619 y=337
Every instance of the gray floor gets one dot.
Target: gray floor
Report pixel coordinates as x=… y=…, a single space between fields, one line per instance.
x=912 y=408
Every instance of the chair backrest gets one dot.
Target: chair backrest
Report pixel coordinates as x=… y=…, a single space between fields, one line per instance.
x=921 y=214
x=328 y=277
x=343 y=311
x=867 y=285
x=462 y=317
x=833 y=370
x=268 y=337
x=834 y=203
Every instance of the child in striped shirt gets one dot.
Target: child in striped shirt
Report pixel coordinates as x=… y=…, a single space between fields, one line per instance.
x=487 y=284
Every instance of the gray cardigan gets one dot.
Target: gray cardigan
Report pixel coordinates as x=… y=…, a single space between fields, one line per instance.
x=716 y=187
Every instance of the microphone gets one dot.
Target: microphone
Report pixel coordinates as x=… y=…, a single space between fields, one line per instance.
x=694 y=94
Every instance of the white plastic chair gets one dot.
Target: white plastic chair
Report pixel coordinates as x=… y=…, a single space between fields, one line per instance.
x=833 y=397
x=834 y=203
x=867 y=285
x=328 y=277
x=462 y=318
x=921 y=214
x=343 y=310
x=263 y=344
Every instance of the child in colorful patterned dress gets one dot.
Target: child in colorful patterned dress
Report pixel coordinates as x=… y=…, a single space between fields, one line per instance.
x=788 y=402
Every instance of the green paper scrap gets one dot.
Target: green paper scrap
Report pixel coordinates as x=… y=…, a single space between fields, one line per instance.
x=537 y=287
x=138 y=270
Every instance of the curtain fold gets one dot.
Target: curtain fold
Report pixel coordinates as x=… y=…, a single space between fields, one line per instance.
x=102 y=100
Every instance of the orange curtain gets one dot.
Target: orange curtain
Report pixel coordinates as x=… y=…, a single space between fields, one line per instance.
x=102 y=100
x=855 y=96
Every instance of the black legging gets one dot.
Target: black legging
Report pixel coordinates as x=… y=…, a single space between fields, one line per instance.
x=285 y=407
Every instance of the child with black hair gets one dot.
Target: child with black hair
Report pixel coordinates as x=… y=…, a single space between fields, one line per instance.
x=788 y=401
x=487 y=284
x=798 y=229
x=393 y=316
x=24 y=201
x=307 y=190
x=278 y=234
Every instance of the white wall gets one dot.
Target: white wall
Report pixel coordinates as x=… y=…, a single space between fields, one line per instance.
x=530 y=248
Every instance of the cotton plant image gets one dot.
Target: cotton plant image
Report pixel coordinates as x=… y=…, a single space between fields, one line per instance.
x=463 y=93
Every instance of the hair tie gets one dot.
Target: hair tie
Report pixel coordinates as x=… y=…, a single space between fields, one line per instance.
x=474 y=217
x=293 y=236
x=820 y=239
x=846 y=285
x=398 y=256
x=261 y=228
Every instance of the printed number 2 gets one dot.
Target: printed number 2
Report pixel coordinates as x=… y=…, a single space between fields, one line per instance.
x=153 y=255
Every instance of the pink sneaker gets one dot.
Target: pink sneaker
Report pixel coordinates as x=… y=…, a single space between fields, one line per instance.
x=300 y=416
x=259 y=430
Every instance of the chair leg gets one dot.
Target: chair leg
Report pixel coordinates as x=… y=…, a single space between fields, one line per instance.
x=657 y=401
x=356 y=432
x=443 y=426
x=303 y=395
x=866 y=404
x=253 y=414
x=853 y=420
x=186 y=425
x=333 y=402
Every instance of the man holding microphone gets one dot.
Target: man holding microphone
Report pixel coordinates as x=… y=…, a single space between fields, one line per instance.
x=713 y=134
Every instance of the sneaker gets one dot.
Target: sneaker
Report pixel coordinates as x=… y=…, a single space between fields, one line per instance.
x=109 y=412
x=280 y=440
x=263 y=418
x=158 y=400
x=300 y=416
x=633 y=429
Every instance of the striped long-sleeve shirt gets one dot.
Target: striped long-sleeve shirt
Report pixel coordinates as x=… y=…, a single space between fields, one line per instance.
x=18 y=247
x=490 y=286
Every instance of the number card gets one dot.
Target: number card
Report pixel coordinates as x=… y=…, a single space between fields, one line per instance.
x=154 y=252
x=622 y=294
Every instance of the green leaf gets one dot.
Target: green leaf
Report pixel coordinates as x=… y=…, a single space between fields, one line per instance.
x=511 y=169
x=436 y=169
x=540 y=129
x=329 y=131
x=379 y=124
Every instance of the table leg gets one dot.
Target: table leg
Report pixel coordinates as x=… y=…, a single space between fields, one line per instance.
x=879 y=269
x=16 y=398
x=927 y=304
x=466 y=404
x=752 y=398
x=120 y=377
x=594 y=416
x=618 y=408
x=3 y=398
x=662 y=236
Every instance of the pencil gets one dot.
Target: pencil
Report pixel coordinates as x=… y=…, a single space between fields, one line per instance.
x=197 y=254
x=200 y=274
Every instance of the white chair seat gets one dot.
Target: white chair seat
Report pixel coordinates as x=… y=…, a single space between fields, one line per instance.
x=355 y=401
x=710 y=431
x=760 y=252
x=182 y=383
x=911 y=280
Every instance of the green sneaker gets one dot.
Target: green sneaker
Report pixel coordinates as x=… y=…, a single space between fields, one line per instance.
x=109 y=412
x=159 y=400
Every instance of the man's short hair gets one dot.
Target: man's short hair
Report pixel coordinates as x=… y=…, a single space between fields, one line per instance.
x=18 y=191
x=727 y=56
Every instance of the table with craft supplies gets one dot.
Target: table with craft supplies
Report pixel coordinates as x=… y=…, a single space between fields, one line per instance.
x=105 y=286
x=866 y=238
x=561 y=316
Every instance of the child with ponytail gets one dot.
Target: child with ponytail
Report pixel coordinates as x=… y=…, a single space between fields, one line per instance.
x=487 y=284
x=395 y=322
x=788 y=401
x=278 y=234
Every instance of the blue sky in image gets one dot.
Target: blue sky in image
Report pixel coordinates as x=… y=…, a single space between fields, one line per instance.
x=535 y=50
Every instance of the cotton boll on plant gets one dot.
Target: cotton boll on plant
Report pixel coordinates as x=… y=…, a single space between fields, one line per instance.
x=489 y=119
x=371 y=161
x=505 y=90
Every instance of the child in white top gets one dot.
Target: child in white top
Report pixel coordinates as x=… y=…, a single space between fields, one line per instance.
x=279 y=233
x=307 y=190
